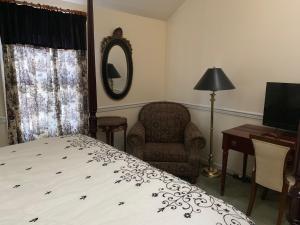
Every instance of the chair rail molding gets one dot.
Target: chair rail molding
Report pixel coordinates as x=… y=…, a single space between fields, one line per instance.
x=226 y=111
x=111 y=108
x=200 y=107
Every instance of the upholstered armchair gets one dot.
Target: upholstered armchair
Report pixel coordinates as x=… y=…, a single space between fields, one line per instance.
x=165 y=137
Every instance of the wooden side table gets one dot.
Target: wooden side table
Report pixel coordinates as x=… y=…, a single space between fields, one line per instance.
x=111 y=124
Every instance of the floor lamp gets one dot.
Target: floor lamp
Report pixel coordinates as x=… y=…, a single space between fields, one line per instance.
x=213 y=80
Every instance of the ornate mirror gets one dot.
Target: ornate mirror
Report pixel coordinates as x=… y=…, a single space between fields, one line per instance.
x=117 y=67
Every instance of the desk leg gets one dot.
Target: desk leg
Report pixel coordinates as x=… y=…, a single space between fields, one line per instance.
x=125 y=142
x=224 y=170
x=107 y=137
x=245 y=166
x=112 y=141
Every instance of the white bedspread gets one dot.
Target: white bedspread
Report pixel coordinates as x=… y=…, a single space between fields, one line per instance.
x=77 y=180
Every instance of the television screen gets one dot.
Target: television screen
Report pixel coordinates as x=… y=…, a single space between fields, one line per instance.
x=282 y=106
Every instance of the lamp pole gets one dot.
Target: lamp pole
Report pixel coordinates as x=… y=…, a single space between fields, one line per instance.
x=210 y=171
x=212 y=102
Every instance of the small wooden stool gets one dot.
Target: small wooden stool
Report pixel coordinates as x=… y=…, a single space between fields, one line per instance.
x=111 y=124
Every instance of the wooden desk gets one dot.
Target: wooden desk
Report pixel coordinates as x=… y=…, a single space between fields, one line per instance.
x=238 y=139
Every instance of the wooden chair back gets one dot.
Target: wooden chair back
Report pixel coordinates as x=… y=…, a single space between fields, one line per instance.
x=270 y=158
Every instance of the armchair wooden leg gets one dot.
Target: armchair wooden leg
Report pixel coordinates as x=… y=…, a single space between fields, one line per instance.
x=112 y=141
x=282 y=203
x=252 y=195
x=193 y=180
x=264 y=194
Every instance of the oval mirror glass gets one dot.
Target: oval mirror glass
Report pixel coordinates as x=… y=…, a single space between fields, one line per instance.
x=116 y=68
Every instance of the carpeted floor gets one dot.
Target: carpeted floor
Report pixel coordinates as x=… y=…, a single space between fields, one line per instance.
x=237 y=193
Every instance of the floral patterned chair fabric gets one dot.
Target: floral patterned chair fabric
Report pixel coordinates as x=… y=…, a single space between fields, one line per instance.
x=165 y=137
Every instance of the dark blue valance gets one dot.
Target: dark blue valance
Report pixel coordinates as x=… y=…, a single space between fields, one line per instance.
x=22 y=24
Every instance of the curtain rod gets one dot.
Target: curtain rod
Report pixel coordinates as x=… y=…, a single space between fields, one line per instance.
x=46 y=7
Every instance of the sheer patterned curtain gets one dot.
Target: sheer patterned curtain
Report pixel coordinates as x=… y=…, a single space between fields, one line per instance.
x=46 y=92
x=46 y=86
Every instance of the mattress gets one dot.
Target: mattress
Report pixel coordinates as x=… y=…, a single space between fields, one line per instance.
x=77 y=180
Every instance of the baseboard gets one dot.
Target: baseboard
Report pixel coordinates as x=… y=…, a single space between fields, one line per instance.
x=229 y=171
x=219 y=166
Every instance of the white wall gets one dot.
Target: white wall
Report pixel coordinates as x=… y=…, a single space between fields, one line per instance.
x=148 y=39
x=253 y=41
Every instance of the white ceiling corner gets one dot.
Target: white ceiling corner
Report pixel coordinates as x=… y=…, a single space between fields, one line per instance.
x=158 y=9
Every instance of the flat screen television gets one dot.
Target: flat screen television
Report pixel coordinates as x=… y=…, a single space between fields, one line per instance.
x=282 y=106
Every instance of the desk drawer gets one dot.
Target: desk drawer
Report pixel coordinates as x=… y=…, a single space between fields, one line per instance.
x=238 y=144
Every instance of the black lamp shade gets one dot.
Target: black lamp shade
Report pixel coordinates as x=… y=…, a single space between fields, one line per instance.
x=214 y=79
x=112 y=72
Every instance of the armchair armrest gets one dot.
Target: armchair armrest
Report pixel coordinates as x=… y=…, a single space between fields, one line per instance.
x=136 y=140
x=194 y=142
x=192 y=135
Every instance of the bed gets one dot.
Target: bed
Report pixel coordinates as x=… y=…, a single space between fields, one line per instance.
x=79 y=180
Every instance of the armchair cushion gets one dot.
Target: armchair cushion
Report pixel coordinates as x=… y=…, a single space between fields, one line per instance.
x=165 y=152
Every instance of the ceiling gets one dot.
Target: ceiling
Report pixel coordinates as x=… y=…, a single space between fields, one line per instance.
x=158 y=9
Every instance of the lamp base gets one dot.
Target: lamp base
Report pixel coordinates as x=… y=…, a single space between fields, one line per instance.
x=211 y=172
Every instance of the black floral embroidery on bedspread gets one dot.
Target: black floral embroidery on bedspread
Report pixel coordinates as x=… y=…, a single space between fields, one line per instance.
x=175 y=194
